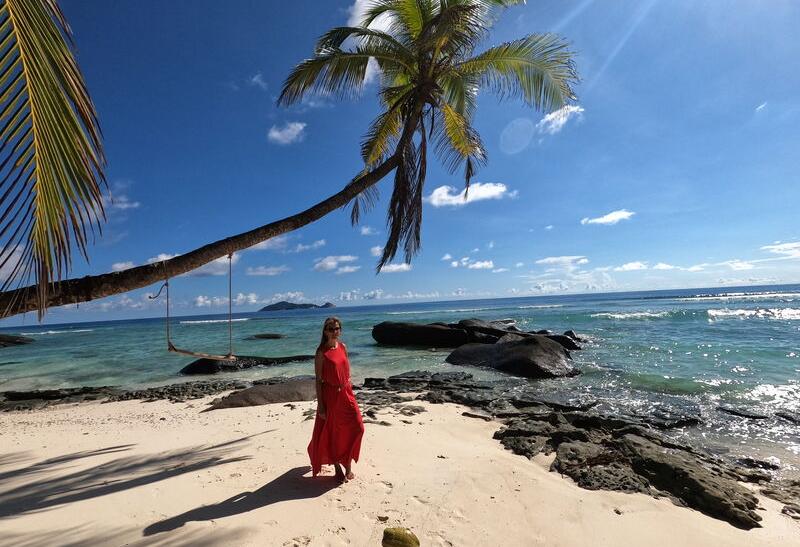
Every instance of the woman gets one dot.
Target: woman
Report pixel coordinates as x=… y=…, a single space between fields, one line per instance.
x=338 y=428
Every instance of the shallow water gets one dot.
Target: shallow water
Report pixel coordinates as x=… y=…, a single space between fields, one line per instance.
x=694 y=348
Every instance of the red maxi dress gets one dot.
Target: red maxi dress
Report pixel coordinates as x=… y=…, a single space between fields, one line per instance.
x=336 y=439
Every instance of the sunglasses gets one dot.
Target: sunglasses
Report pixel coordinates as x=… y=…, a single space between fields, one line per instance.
x=331 y=329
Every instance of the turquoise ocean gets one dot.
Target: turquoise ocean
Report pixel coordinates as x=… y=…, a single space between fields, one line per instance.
x=696 y=348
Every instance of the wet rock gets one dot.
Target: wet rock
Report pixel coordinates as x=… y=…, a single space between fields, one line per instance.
x=533 y=357
x=785 y=491
x=558 y=401
x=575 y=336
x=524 y=446
x=7 y=340
x=266 y=336
x=179 y=392
x=793 y=417
x=742 y=413
x=565 y=341
x=753 y=463
x=496 y=329
x=413 y=334
x=682 y=476
x=399 y=537
x=31 y=400
x=595 y=467
x=291 y=390
x=242 y=362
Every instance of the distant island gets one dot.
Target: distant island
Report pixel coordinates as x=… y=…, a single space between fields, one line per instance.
x=284 y=305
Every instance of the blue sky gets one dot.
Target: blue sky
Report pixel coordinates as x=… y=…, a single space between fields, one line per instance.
x=676 y=167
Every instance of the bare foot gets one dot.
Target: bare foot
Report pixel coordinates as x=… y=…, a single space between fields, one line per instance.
x=340 y=476
x=349 y=475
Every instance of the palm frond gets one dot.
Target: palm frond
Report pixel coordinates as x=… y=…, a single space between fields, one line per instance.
x=334 y=72
x=51 y=155
x=457 y=143
x=538 y=69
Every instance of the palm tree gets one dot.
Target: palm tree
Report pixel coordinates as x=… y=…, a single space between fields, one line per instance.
x=430 y=77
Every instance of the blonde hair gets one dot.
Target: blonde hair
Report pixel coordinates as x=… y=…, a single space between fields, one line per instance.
x=328 y=321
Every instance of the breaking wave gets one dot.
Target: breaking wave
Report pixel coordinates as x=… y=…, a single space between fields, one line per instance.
x=207 y=321
x=759 y=313
x=632 y=315
x=40 y=333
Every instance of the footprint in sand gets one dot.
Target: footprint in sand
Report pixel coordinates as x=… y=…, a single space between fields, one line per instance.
x=421 y=500
x=387 y=486
x=300 y=541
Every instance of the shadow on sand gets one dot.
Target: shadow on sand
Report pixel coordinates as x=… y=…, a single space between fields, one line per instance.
x=292 y=485
x=49 y=483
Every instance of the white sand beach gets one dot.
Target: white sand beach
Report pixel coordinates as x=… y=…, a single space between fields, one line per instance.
x=161 y=473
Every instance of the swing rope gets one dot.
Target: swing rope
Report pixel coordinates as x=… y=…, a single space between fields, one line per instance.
x=171 y=347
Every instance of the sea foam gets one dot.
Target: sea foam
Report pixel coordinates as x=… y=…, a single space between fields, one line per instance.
x=759 y=313
x=208 y=321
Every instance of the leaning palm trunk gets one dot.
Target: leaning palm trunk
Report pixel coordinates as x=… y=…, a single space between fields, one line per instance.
x=85 y=289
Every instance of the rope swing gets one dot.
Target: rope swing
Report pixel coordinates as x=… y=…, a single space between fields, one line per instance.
x=171 y=347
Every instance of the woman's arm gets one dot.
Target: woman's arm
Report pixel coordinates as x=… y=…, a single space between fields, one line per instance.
x=318 y=362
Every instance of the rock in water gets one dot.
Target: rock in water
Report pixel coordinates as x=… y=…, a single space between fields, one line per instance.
x=413 y=334
x=289 y=391
x=13 y=340
x=213 y=366
x=399 y=537
x=266 y=336
x=532 y=357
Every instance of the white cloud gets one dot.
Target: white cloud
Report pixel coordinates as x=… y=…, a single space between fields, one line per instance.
x=555 y=121
x=454 y=264
x=549 y=227
x=242 y=299
x=289 y=296
x=272 y=244
x=490 y=245
x=664 y=266
x=475 y=250
x=696 y=268
x=377 y=250
x=519 y=264
x=215 y=267
x=571 y=260
x=160 y=257
x=301 y=247
x=631 y=267
x=269 y=271
x=394 y=268
x=737 y=264
x=122 y=202
x=481 y=265
x=257 y=80
x=373 y=295
x=347 y=269
x=499 y=270
x=450 y=196
x=368 y=231
x=611 y=218
x=761 y=107
x=447 y=256
x=330 y=263
x=119 y=266
x=790 y=249
x=203 y=301
x=290 y=133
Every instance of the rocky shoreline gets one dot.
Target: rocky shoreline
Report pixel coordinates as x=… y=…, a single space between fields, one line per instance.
x=598 y=450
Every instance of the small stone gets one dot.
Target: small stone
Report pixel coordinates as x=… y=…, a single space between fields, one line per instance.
x=399 y=537
x=383 y=518
x=617 y=511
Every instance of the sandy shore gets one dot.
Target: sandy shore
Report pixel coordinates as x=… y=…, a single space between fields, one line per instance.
x=133 y=473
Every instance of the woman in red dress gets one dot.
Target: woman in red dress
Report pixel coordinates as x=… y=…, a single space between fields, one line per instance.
x=338 y=428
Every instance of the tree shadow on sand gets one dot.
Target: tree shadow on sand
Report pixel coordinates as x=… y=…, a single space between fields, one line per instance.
x=292 y=485
x=21 y=493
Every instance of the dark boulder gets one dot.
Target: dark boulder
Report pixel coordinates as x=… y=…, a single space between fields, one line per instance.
x=565 y=341
x=213 y=366
x=13 y=340
x=793 y=417
x=266 y=336
x=492 y=328
x=532 y=357
x=413 y=334
x=291 y=390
